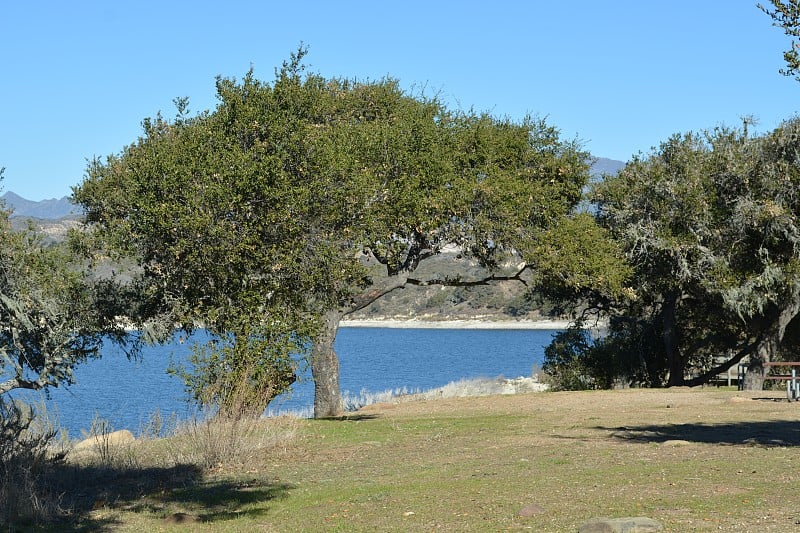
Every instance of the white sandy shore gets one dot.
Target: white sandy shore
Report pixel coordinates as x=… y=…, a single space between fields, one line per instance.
x=457 y=324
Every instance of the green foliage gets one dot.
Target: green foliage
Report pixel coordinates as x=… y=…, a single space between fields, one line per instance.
x=565 y=360
x=708 y=223
x=574 y=257
x=52 y=316
x=575 y=360
x=786 y=15
x=238 y=374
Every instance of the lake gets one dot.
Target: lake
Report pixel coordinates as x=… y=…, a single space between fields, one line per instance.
x=126 y=392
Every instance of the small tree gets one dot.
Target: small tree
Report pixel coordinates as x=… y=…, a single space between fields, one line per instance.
x=52 y=317
x=240 y=372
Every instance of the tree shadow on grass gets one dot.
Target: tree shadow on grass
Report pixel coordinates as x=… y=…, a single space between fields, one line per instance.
x=215 y=501
x=175 y=494
x=767 y=433
x=352 y=417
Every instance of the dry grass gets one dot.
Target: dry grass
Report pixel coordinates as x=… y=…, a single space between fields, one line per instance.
x=696 y=460
x=225 y=443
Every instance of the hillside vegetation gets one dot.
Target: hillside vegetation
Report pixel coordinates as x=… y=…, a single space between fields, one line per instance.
x=510 y=300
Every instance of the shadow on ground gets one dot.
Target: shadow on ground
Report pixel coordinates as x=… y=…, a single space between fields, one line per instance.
x=767 y=433
x=177 y=494
x=353 y=417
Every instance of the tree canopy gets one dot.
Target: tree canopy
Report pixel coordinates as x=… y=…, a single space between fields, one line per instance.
x=297 y=202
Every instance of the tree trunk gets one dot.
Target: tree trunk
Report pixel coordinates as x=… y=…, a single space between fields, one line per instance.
x=325 y=368
x=768 y=347
x=756 y=371
x=325 y=362
x=670 y=337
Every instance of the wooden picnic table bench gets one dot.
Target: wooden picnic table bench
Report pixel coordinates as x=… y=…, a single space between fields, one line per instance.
x=792 y=379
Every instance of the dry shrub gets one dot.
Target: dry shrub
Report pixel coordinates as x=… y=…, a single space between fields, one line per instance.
x=213 y=441
x=29 y=450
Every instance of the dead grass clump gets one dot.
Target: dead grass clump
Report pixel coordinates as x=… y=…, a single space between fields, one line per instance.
x=29 y=450
x=214 y=441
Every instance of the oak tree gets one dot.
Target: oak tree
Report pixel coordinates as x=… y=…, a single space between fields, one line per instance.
x=295 y=203
x=786 y=14
x=709 y=224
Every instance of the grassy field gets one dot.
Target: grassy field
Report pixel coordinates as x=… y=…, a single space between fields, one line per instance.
x=695 y=460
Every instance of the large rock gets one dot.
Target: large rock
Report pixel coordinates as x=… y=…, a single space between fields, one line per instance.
x=114 y=438
x=636 y=524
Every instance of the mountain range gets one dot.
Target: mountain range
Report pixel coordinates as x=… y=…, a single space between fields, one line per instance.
x=52 y=209
x=55 y=209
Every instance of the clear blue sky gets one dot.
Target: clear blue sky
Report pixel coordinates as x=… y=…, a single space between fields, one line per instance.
x=621 y=75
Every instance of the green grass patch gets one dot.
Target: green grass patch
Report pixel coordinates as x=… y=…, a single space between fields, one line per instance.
x=694 y=460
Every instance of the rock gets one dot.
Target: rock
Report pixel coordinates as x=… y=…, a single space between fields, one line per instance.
x=114 y=438
x=530 y=510
x=636 y=524
x=676 y=442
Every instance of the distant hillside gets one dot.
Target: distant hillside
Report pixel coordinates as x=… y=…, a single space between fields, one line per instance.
x=606 y=166
x=52 y=209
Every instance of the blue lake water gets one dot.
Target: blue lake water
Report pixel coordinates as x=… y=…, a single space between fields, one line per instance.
x=126 y=392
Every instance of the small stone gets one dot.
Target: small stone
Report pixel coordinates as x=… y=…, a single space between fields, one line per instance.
x=530 y=510
x=676 y=442
x=636 y=524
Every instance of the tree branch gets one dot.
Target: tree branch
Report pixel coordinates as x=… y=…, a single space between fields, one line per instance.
x=375 y=291
x=458 y=282
x=393 y=283
x=705 y=377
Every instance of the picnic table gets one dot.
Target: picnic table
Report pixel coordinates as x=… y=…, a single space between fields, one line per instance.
x=792 y=378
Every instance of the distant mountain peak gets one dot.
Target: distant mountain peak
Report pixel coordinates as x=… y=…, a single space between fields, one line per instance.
x=603 y=165
x=51 y=209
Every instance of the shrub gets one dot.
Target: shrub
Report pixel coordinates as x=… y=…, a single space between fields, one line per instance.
x=566 y=358
x=217 y=440
x=625 y=356
x=237 y=375
x=28 y=452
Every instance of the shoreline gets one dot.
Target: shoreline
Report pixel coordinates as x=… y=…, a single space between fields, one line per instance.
x=456 y=324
